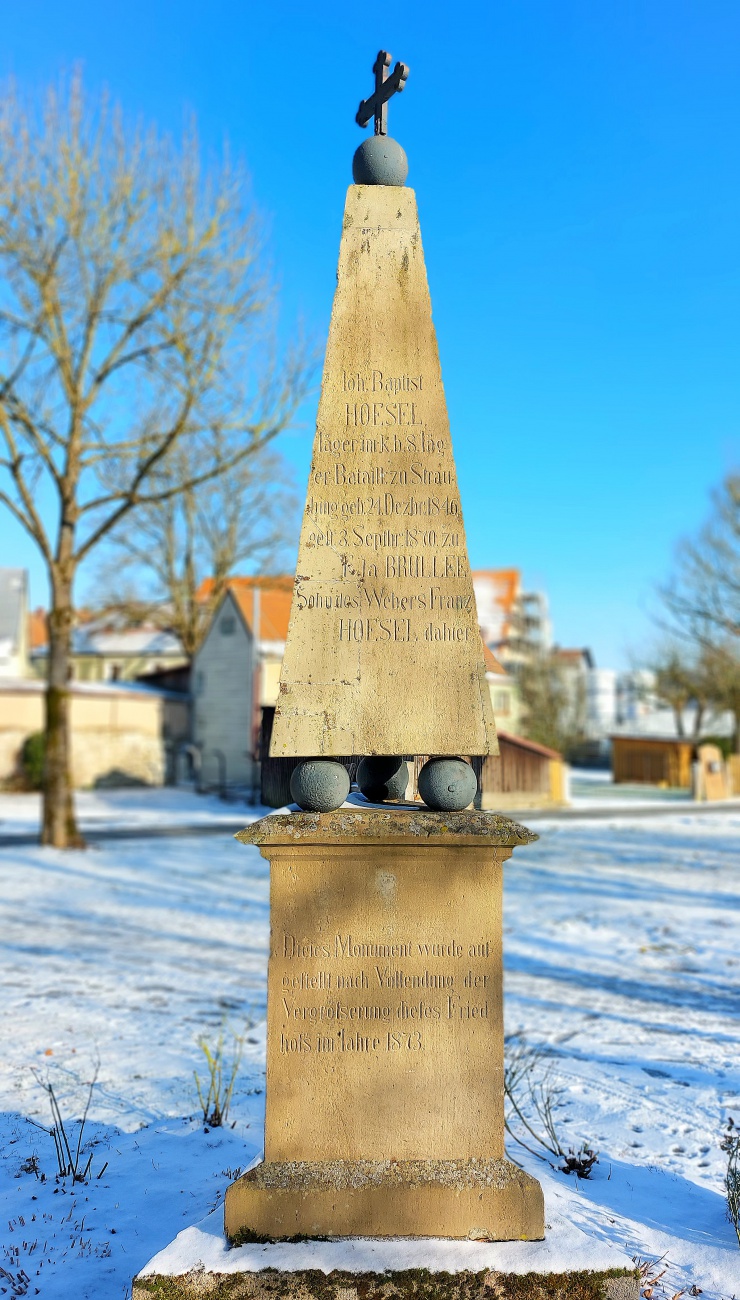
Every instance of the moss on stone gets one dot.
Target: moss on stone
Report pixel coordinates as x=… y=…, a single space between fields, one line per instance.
x=406 y=1284
x=246 y=1237
x=394 y=822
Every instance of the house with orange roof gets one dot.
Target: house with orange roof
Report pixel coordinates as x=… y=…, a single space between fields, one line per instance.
x=505 y=697
x=514 y=623
x=496 y=594
x=236 y=676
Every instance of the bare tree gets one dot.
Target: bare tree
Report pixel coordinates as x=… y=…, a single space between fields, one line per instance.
x=721 y=669
x=678 y=679
x=134 y=321
x=702 y=598
x=553 y=700
x=155 y=566
x=701 y=603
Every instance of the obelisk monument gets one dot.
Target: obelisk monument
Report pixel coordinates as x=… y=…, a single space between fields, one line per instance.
x=383 y=654
x=384 y=1099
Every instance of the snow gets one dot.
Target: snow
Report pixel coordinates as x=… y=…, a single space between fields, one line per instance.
x=621 y=959
x=565 y=1247
x=137 y=808
x=594 y=789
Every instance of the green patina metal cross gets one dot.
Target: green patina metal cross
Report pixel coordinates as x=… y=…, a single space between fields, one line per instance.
x=385 y=86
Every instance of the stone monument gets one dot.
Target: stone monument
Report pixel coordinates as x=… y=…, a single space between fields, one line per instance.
x=384 y=1104
x=384 y=1101
x=384 y=655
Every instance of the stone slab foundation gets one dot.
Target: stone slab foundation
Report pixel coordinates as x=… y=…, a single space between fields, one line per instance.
x=313 y=1284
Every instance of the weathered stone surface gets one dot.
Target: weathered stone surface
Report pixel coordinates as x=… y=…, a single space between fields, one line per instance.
x=398 y=825
x=485 y=1199
x=312 y=1284
x=383 y=654
x=447 y=784
x=385 y=1030
x=380 y=160
x=320 y=785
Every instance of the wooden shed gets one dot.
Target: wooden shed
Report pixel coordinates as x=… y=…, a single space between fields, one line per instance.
x=525 y=775
x=653 y=760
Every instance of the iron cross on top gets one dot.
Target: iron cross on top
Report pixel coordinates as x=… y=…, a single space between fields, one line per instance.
x=385 y=86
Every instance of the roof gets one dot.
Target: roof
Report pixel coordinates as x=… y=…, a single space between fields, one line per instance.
x=109 y=643
x=636 y=738
x=12 y=606
x=36 y=686
x=175 y=677
x=491 y=662
x=575 y=656
x=273 y=605
x=522 y=743
x=506 y=582
x=125 y=641
x=38 y=629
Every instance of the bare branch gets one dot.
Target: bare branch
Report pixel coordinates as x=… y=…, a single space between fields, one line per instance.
x=19 y=515
x=135 y=319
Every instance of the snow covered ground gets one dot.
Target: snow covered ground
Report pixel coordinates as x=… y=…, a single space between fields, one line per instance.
x=126 y=809
x=594 y=787
x=622 y=956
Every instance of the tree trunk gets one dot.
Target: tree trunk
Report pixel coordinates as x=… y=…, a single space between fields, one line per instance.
x=59 y=826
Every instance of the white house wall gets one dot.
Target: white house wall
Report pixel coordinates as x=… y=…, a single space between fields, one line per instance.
x=222 y=698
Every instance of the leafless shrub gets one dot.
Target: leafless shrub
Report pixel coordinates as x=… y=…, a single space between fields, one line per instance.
x=533 y=1097
x=69 y=1161
x=655 y=1283
x=730 y=1144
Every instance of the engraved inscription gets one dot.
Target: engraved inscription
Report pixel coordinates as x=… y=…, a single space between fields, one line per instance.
x=365 y=995
x=384 y=468
x=383 y=589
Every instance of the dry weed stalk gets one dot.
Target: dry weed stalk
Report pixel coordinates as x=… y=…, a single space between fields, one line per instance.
x=216 y=1100
x=730 y=1144
x=529 y=1088
x=68 y=1164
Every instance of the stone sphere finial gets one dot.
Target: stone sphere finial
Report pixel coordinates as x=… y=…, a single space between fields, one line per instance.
x=380 y=160
x=319 y=785
x=447 y=784
x=383 y=778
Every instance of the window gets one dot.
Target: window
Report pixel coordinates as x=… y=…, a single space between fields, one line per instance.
x=228 y=625
x=501 y=702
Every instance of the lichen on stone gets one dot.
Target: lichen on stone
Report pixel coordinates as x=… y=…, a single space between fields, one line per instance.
x=404 y=1284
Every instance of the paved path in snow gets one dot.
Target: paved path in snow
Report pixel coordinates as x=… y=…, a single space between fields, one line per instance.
x=24 y=839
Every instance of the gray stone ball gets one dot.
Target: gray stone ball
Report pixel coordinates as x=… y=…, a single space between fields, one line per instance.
x=447 y=784
x=318 y=785
x=380 y=160
x=383 y=778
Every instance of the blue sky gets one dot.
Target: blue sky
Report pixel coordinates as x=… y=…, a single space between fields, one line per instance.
x=576 y=167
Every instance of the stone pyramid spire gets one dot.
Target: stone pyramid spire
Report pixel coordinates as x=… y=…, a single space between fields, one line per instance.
x=383 y=654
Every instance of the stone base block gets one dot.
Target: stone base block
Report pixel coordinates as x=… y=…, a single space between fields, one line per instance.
x=485 y=1200
x=408 y=1284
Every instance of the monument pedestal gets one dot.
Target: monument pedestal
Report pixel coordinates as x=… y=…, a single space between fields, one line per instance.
x=406 y=1198
x=384 y=1105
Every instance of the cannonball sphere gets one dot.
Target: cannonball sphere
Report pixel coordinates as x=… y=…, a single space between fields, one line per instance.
x=383 y=778
x=380 y=160
x=318 y=785
x=447 y=784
